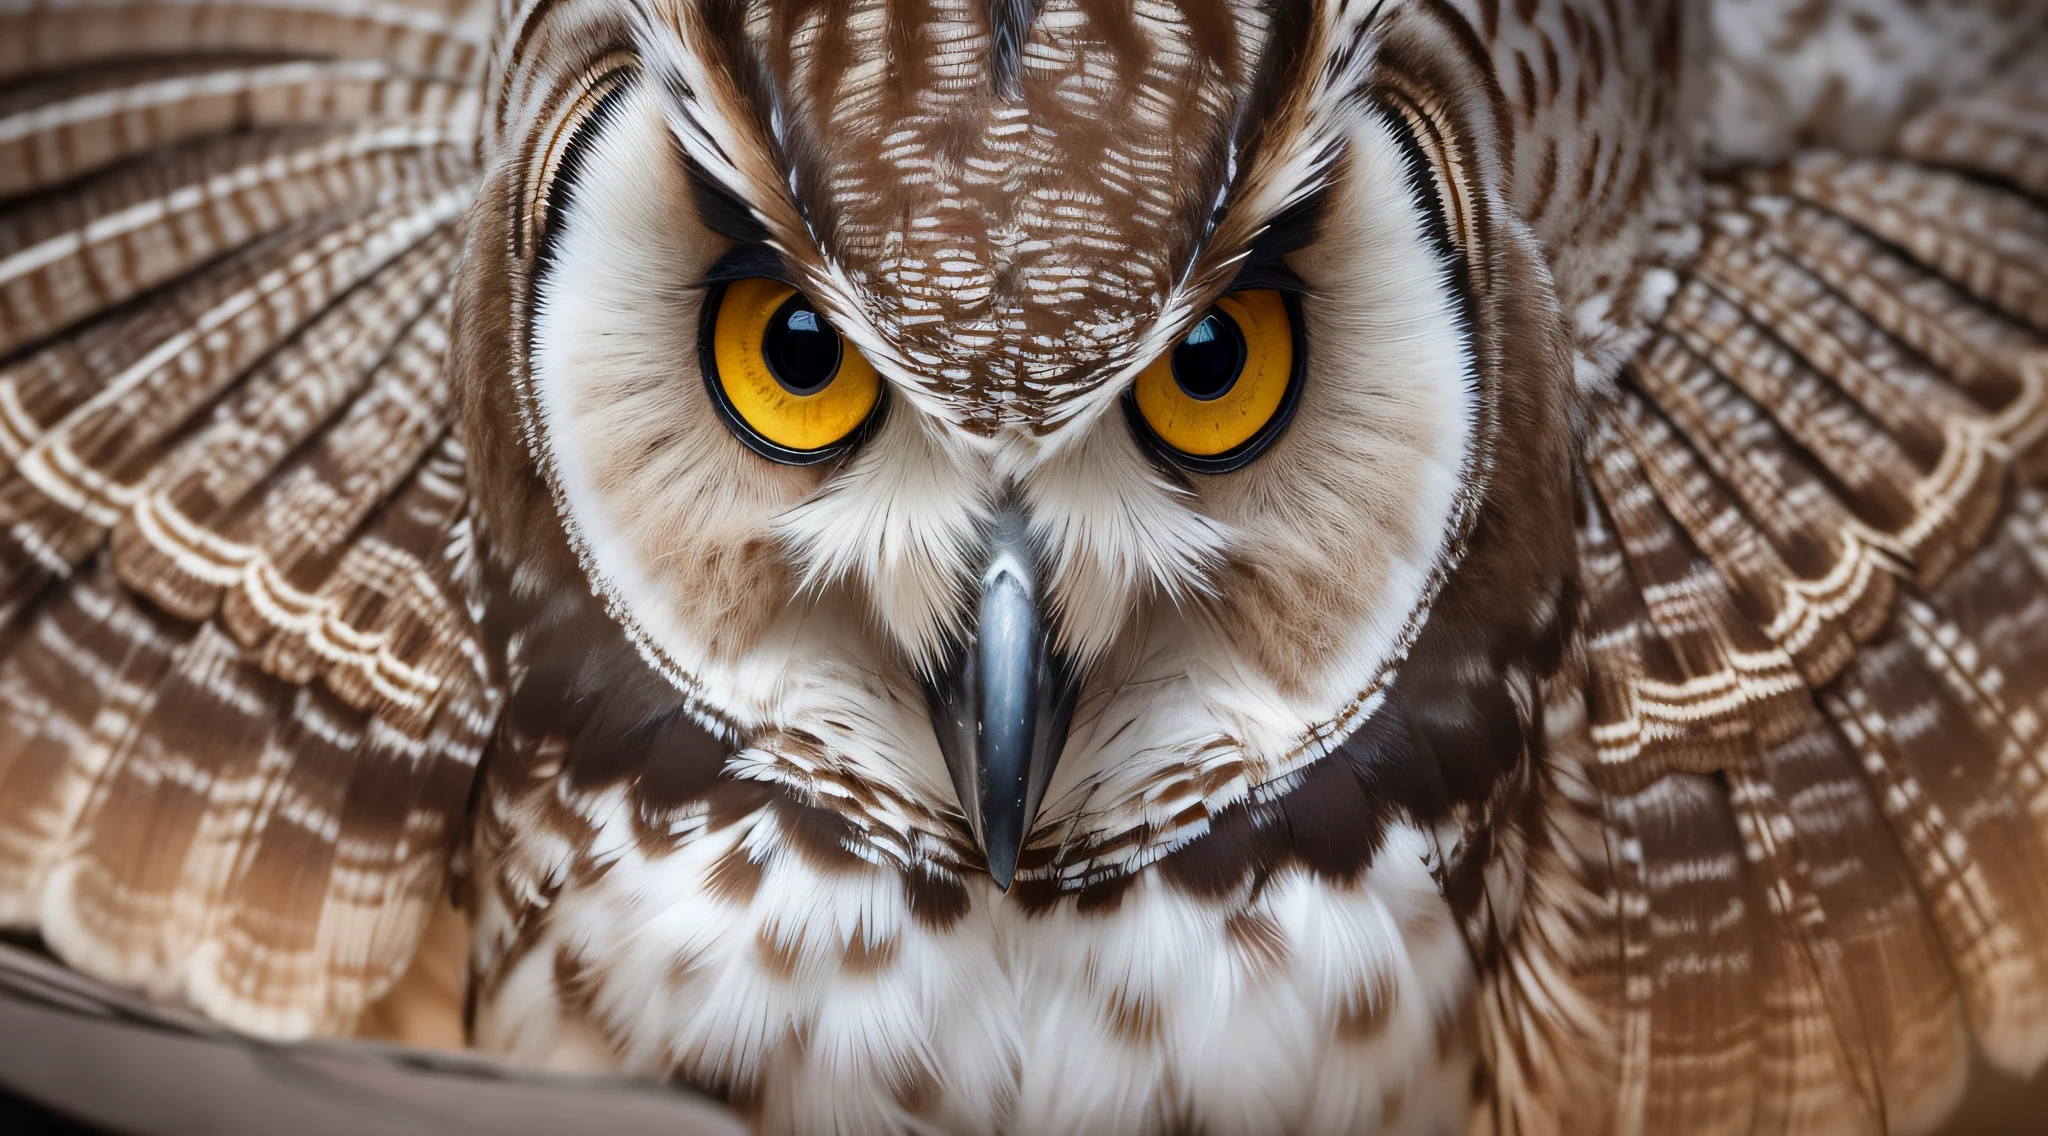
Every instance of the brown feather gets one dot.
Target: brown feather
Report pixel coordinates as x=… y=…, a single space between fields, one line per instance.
x=241 y=700
x=1814 y=671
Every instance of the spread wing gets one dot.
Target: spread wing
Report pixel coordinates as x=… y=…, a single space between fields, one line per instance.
x=1793 y=864
x=240 y=697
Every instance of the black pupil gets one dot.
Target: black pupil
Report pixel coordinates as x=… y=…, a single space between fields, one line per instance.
x=801 y=348
x=1207 y=362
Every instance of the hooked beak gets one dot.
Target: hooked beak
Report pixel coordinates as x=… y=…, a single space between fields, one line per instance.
x=1002 y=704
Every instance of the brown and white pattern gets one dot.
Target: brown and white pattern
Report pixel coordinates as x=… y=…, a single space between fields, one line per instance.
x=1792 y=862
x=244 y=701
x=1618 y=702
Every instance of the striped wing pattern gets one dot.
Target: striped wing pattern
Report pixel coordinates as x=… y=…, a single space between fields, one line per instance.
x=241 y=699
x=1794 y=867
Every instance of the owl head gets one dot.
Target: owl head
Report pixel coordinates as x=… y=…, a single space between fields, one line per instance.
x=1026 y=432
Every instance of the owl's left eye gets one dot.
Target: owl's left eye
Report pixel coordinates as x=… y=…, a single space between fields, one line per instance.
x=1228 y=388
x=788 y=384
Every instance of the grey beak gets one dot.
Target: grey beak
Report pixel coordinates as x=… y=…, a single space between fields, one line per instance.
x=1002 y=704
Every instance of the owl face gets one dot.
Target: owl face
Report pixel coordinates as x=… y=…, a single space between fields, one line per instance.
x=1026 y=448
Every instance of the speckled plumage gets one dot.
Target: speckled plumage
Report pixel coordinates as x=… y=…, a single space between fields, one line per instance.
x=1614 y=704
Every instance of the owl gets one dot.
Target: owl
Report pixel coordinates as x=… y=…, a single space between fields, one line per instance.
x=1045 y=566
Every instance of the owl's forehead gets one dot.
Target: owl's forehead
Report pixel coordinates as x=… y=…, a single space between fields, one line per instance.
x=1009 y=197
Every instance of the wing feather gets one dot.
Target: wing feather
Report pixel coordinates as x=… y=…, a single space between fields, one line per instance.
x=241 y=696
x=67 y=129
x=430 y=37
x=169 y=545
x=2000 y=132
x=65 y=257
x=1797 y=775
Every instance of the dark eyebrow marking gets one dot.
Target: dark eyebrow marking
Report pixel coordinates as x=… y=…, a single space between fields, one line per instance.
x=748 y=259
x=1294 y=229
x=721 y=211
x=1271 y=275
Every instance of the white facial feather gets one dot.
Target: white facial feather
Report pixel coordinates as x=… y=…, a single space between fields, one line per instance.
x=1346 y=522
x=868 y=716
x=1117 y=536
x=641 y=464
x=744 y=579
x=900 y=522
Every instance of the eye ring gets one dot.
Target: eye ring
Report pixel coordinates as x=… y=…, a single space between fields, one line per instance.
x=745 y=431
x=1244 y=453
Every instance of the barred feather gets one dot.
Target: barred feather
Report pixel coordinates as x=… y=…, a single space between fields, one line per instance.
x=243 y=699
x=1815 y=673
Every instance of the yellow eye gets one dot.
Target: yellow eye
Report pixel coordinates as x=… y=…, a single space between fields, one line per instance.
x=1227 y=388
x=791 y=387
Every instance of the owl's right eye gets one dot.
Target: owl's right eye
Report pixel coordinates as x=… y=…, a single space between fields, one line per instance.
x=1220 y=396
x=787 y=383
